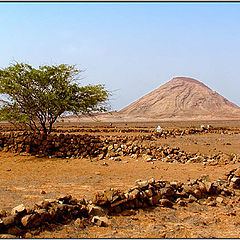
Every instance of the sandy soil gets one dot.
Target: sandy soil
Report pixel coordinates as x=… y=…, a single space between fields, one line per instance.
x=23 y=177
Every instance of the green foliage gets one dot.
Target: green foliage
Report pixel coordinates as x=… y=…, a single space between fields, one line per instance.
x=37 y=97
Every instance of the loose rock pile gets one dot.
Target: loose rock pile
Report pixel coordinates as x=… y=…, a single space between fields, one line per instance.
x=59 y=210
x=233 y=178
x=110 y=201
x=163 y=193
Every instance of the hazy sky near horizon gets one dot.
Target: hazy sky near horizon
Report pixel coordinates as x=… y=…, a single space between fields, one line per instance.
x=132 y=48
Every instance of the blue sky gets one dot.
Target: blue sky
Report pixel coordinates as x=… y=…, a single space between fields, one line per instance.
x=132 y=48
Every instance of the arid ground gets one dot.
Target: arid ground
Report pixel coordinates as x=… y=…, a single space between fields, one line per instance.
x=28 y=179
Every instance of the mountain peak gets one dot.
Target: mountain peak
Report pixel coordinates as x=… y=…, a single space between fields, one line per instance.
x=186 y=80
x=182 y=98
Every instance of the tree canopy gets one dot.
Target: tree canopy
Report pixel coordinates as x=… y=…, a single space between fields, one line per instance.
x=36 y=97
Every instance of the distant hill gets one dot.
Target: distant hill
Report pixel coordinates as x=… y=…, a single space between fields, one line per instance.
x=182 y=99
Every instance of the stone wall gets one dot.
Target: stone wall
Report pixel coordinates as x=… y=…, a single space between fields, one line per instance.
x=73 y=145
x=62 y=145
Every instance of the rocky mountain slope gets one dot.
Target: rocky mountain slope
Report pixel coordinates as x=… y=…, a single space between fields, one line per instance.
x=182 y=98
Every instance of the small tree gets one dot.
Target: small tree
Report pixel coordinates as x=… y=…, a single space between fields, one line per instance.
x=35 y=98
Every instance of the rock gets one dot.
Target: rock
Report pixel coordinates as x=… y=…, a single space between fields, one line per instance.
x=202 y=187
x=128 y=212
x=64 y=198
x=191 y=198
x=181 y=203
x=111 y=194
x=133 y=194
x=99 y=199
x=208 y=186
x=237 y=172
x=43 y=215
x=118 y=202
x=101 y=221
x=18 y=209
x=42 y=192
x=96 y=211
x=212 y=204
x=3 y=213
x=235 y=182
x=154 y=199
x=45 y=203
x=147 y=158
x=167 y=191
x=32 y=220
x=151 y=181
x=9 y=221
x=14 y=230
x=188 y=189
x=165 y=203
x=101 y=156
x=79 y=223
x=219 y=199
x=27 y=235
x=117 y=209
x=205 y=178
x=141 y=184
x=197 y=193
x=226 y=192
x=149 y=192
x=7 y=236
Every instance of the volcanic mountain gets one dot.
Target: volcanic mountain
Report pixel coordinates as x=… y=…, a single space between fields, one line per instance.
x=182 y=98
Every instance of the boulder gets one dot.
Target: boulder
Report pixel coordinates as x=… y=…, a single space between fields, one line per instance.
x=79 y=223
x=202 y=187
x=9 y=221
x=18 y=209
x=149 y=192
x=219 y=199
x=96 y=211
x=181 y=202
x=64 y=198
x=7 y=236
x=197 y=193
x=100 y=199
x=167 y=191
x=205 y=178
x=191 y=198
x=166 y=203
x=133 y=194
x=147 y=157
x=141 y=184
x=212 y=203
x=32 y=220
x=154 y=199
x=101 y=221
x=14 y=230
x=237 y=172
x=209 y=186
x=235 y=182
x=111 y=194
x=128 y=212
x=45 y=203
x=27 y=235
x=3 y=213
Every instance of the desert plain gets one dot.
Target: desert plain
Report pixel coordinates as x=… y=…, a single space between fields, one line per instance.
x=27 y=179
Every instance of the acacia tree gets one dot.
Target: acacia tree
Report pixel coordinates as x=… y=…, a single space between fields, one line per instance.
x=35 y=98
